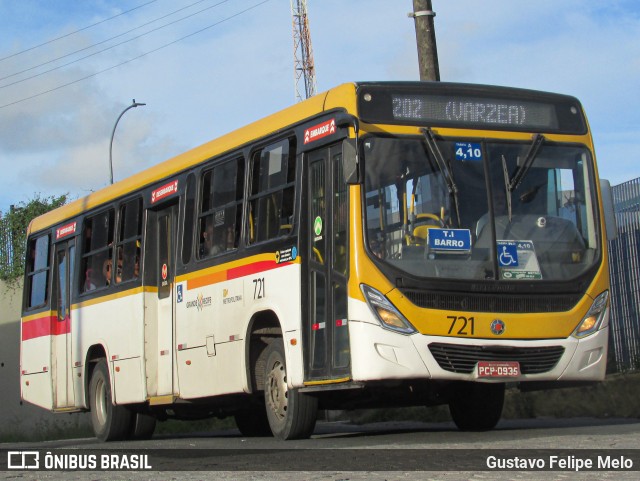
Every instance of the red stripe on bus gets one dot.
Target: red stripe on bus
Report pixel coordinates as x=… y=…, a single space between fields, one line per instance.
x=45 y=326
x=234 y=273
x=253 y=268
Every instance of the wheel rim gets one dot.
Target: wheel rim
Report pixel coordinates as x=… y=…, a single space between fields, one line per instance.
x=101 y=402
x=277 y=390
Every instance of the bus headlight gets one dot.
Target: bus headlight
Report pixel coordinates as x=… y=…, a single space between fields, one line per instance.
x=387 y=314
x=593 y=319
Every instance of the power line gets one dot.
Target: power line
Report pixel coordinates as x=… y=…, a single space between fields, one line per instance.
x=105 y=41
x=74 y=32
x=134 y=58
x=104 y=49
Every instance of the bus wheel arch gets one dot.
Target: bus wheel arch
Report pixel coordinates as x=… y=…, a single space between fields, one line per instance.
x=110 y=422
x=263 y=328
x=94 y=354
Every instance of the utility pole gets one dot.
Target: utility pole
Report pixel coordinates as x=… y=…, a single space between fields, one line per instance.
x=426 y=40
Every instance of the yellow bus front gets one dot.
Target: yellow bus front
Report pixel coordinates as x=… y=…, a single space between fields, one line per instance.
x=478 y=248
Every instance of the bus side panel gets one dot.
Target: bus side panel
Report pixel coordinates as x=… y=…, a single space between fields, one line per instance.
x=36 y=389
x=213 y=319
x=117 y=324
x=202 y=374
x=36 y=343
x=36 y=381
x=127 y=377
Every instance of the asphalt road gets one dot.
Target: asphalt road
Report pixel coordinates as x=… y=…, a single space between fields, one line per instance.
x=389 y=451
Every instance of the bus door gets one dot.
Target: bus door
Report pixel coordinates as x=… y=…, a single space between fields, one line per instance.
x=159 y=274
x=63 y=395
x=326 y=330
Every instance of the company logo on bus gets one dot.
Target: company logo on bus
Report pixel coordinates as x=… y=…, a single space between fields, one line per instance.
x=497 y=327
x=200 y=302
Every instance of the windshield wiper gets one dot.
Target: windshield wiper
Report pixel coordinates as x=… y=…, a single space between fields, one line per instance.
x=511 y=184
x=443 y=166
x=519 y=175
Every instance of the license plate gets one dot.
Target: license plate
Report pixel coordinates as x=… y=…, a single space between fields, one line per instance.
x=498 y=368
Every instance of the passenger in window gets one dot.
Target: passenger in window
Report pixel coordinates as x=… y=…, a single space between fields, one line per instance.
x=119 y=272
x=118 y=276
x=136 y=266
x=89 y=280
x=223 y=238
x=206 y=241
x=106 y=271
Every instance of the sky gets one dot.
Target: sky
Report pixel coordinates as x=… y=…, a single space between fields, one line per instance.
x=68 y=69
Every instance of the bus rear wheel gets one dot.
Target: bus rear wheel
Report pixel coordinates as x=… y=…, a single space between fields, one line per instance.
x=142 y=426
x=110 y=422
x=476 y=406
x=291 y=414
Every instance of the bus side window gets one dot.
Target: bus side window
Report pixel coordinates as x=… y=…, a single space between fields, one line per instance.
x=38 y=272
x=189 y=214
x=272 y=194
x=127 y=260
x=97 y=263
x=221 y=208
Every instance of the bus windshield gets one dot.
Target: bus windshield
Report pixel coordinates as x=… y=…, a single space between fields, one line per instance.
x=477 y=210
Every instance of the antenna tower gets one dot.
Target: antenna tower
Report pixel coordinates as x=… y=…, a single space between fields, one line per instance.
x=303 y=67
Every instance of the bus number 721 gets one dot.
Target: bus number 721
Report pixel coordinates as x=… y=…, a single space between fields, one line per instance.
x=466 y=325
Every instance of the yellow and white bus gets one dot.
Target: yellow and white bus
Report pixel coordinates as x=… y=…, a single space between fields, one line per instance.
x=380 y=244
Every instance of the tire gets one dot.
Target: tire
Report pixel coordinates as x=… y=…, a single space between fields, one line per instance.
x=476 y=406
x=253 y=422
x=291 y=414
x=142 y=426
x=110 y=422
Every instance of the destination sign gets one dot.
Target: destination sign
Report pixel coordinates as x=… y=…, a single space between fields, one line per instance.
x=449 y=241
x=466 y=106
x=487 y=112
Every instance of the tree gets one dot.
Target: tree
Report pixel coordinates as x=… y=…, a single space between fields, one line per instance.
x=13 y=233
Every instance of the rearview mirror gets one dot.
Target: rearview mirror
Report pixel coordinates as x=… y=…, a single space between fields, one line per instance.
x=607 y=207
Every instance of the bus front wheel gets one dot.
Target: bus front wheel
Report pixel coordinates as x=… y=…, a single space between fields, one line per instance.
x=110 y=422
x=291 y=414
x=476 y=406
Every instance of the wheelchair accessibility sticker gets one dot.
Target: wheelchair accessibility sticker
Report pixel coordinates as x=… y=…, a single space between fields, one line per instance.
x=517 y=260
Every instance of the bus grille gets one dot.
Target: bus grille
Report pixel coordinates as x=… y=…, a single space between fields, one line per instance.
x=463 y=359
x=500 y=302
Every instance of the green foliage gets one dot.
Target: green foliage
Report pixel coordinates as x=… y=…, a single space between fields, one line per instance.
x=13 y=232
